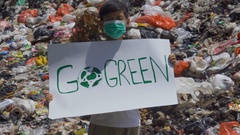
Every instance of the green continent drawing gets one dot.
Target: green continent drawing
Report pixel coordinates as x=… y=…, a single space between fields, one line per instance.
x=90 y=77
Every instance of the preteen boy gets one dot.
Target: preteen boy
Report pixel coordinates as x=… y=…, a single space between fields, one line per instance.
x=115 y=18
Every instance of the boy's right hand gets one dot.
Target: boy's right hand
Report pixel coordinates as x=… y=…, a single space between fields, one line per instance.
x=48 y=96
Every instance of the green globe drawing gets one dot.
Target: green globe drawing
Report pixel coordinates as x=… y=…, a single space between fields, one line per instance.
x=90 y=77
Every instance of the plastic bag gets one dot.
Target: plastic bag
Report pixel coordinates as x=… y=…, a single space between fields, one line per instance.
x=182 y=34
x=133 y=34
x=62 y=10
x=26 y=130
x=95 y=1
x=7 y=13
x=5 y=103
x=3 y=25
x=26 y=105
x=42 y=33
x=19 y=69
x=152 y=10
x=180 y=68
x=21 y=2
x=146 y=33
x=227 y=128
x=187 y=86
x=221 y=82
x=198 y=64
x=6 y=128
x=68 y=18
x=153 y=2
x=220 y=62
x=157 y=21
x=24 y=16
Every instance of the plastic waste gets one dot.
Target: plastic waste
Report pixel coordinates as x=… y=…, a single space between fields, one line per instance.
x=41 y=33
x=180 y=68
x=21 y=2
x=157 y=21
x=182 y=34
x=187 y=86
x=3 y=25
x=219 y=62
x=95 y=1
x=30 y=131
x=133 y=34
x=16 y=114
x=25 y=15
x=6 y=128
x=5 y=103
x=68 y=18
x=153 y=2
x=27 y=105
x=198 y=65
x=7 y=13
x=148 y=33
x=221 y=82
x=19 y=69
x=229 y=128
x=152 y=10
x=61 y=11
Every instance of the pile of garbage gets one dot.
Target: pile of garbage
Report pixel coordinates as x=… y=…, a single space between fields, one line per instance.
x=204 y=36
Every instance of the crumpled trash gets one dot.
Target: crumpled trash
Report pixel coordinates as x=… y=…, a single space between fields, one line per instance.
x=95 y=1
x=148 y=33
x=25 y=15
x=3 y=25
x=222 y=82
x=158 y=20
x=204 y=36
x=188 y=90
x=30 y=131
x=21 y=2
x=61 y=11
x=229 y=128
x=133 y=34
x=4 y=104
x=28 y=106
x=182 y=34
x=42 y=33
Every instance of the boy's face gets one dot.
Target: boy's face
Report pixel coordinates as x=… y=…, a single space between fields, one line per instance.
x=115 y=32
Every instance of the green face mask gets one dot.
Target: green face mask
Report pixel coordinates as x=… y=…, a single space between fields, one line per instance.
x=114 y=29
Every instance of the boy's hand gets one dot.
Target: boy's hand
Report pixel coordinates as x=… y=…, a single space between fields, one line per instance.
x=172 y=59
x=48 y=96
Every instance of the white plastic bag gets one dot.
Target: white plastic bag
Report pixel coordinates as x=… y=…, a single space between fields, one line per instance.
x=152 y=10
x=198 y=64
x=182 y=34
x=134 y=34
x=95 y=1
x=186 y=86
x=26 y=105
x=221 y=82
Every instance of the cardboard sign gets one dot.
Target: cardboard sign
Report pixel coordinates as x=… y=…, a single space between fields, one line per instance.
x=108 y=76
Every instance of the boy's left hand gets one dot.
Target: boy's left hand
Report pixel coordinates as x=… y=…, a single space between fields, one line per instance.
x=172 y=59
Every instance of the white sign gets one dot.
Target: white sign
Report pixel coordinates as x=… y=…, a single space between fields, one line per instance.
x=108 y=76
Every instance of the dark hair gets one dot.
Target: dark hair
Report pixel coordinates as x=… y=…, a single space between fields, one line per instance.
x=112 y=6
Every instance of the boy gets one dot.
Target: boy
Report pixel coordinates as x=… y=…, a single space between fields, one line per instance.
x=115 y=17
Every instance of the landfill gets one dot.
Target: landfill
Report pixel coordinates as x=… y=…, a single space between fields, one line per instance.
x=204 y=36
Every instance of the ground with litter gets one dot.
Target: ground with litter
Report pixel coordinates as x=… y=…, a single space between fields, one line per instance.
x=204 y=36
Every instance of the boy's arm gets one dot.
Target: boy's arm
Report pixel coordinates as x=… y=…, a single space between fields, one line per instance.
x=179 y=66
